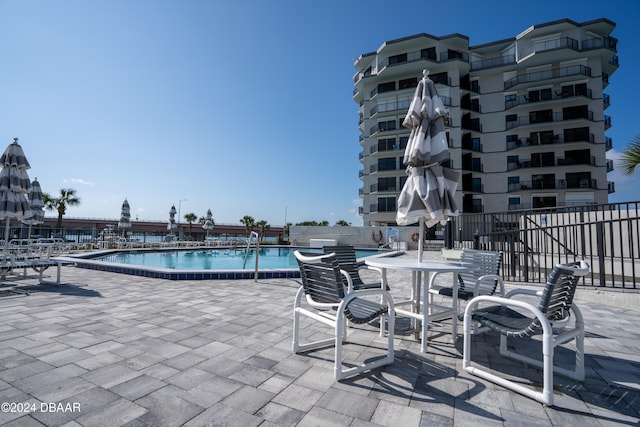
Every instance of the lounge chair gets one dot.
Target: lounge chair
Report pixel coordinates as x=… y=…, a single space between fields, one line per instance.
x=482 y=281
x=329 y=303
x=555 y=309
x=346 y=256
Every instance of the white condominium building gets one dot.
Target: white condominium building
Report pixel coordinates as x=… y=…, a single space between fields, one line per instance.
x=526 y=126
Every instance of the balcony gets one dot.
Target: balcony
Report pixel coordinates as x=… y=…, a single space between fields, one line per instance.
x=378 y=188
x=555 y=117
x=554 y=96
x=556 y=73
x=557 y=139
x=611 y=187
x=548 y=184
x=493 y=62
x=609 y=165
x=472 y=187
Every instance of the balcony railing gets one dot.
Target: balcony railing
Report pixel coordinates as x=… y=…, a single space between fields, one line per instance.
x=493 y=62
x=555 y=95
x=537 y=163
x=551 y=185
x=377 y=188
x=557 y=139
x=548 y=74
x=555 y=117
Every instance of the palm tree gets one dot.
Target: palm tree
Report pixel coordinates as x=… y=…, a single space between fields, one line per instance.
x=67 y=198
x=248 y=223
x=190 y=218
x=631 y=156
x=262 y=226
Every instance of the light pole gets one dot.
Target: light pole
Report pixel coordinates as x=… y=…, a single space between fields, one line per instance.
x=179 y=206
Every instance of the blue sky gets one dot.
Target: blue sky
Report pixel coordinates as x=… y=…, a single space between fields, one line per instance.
x=242 y=107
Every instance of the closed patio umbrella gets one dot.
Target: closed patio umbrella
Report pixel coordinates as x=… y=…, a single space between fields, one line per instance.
x=208 y=223
x=428 y=194
x=125 y=217
x=14 y=187
x=172 y=220
x=37 y=204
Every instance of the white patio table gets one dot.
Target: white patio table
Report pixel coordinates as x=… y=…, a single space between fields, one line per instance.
x=420 y=309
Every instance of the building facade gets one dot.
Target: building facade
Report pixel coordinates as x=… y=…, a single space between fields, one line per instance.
x=527 y=116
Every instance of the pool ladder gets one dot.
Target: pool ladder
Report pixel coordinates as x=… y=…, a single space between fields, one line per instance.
x=246 y=253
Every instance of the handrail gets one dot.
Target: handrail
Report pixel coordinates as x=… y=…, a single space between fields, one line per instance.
x=246 y=253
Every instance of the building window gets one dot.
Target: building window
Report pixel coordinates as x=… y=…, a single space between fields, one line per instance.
x=408 y=83
x=386 y=204
x=398 y=59
x=544 y=202
x=387 y=184
x=386 y=87
x=513 y=179
x=541 y=116
x=388 y=125
x=388 y=164
x=386 y=144
x=428 y=53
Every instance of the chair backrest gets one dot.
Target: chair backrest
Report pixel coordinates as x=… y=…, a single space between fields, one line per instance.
x=346 y=257
x=489 y=263
x=321 y=277
x=557 y=295
x=560 y=289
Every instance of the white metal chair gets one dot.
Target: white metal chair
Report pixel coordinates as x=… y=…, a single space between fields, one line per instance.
x=482 y=281
x=332 y=305
x=513 y=318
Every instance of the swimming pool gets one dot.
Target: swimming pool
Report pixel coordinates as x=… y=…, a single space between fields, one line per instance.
x=203 y=264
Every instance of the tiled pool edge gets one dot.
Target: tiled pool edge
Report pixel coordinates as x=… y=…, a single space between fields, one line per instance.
x=81 y=261
x=162 y=273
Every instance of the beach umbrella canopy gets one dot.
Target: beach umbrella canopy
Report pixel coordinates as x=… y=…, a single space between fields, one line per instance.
x=14 y=186
x=125 y=216
x=208 y=223
x=428 y=193
x=37 y=204
x=172 y=219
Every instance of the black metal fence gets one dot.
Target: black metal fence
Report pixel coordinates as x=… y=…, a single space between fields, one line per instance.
x=533 y=241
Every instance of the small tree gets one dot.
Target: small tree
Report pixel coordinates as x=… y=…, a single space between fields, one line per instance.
x=630 y=158
x=249 y=223
x=262 y=226
x=190 y=218
x=67 y=198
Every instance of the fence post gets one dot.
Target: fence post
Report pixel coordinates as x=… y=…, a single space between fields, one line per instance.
x=525 y=242
x=600 y=251
x=476 y=240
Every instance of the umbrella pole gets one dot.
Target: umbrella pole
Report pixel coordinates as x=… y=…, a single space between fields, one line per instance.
x=421 y=240
x=6 y=240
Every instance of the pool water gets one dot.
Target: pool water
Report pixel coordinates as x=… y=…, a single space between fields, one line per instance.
x=217 y=259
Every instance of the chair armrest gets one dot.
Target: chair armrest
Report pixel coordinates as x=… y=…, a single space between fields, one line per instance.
x=346 y=276
x=433 y=279
x=489 y=278
x=520 y=291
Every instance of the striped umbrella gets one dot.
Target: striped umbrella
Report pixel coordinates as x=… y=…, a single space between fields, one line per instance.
x=208 y=223
x=37 y=204
x=428 y=194
x=125 y=217
x=14 y=186
x=172 y=219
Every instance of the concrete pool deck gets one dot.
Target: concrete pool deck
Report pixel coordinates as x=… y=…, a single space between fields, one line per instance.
x=114 y=349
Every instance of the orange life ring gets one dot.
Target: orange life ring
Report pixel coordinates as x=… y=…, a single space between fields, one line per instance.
x=415 y=237
x=376 y=239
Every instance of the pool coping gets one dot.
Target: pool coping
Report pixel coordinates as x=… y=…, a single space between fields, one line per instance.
x=84 y=261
